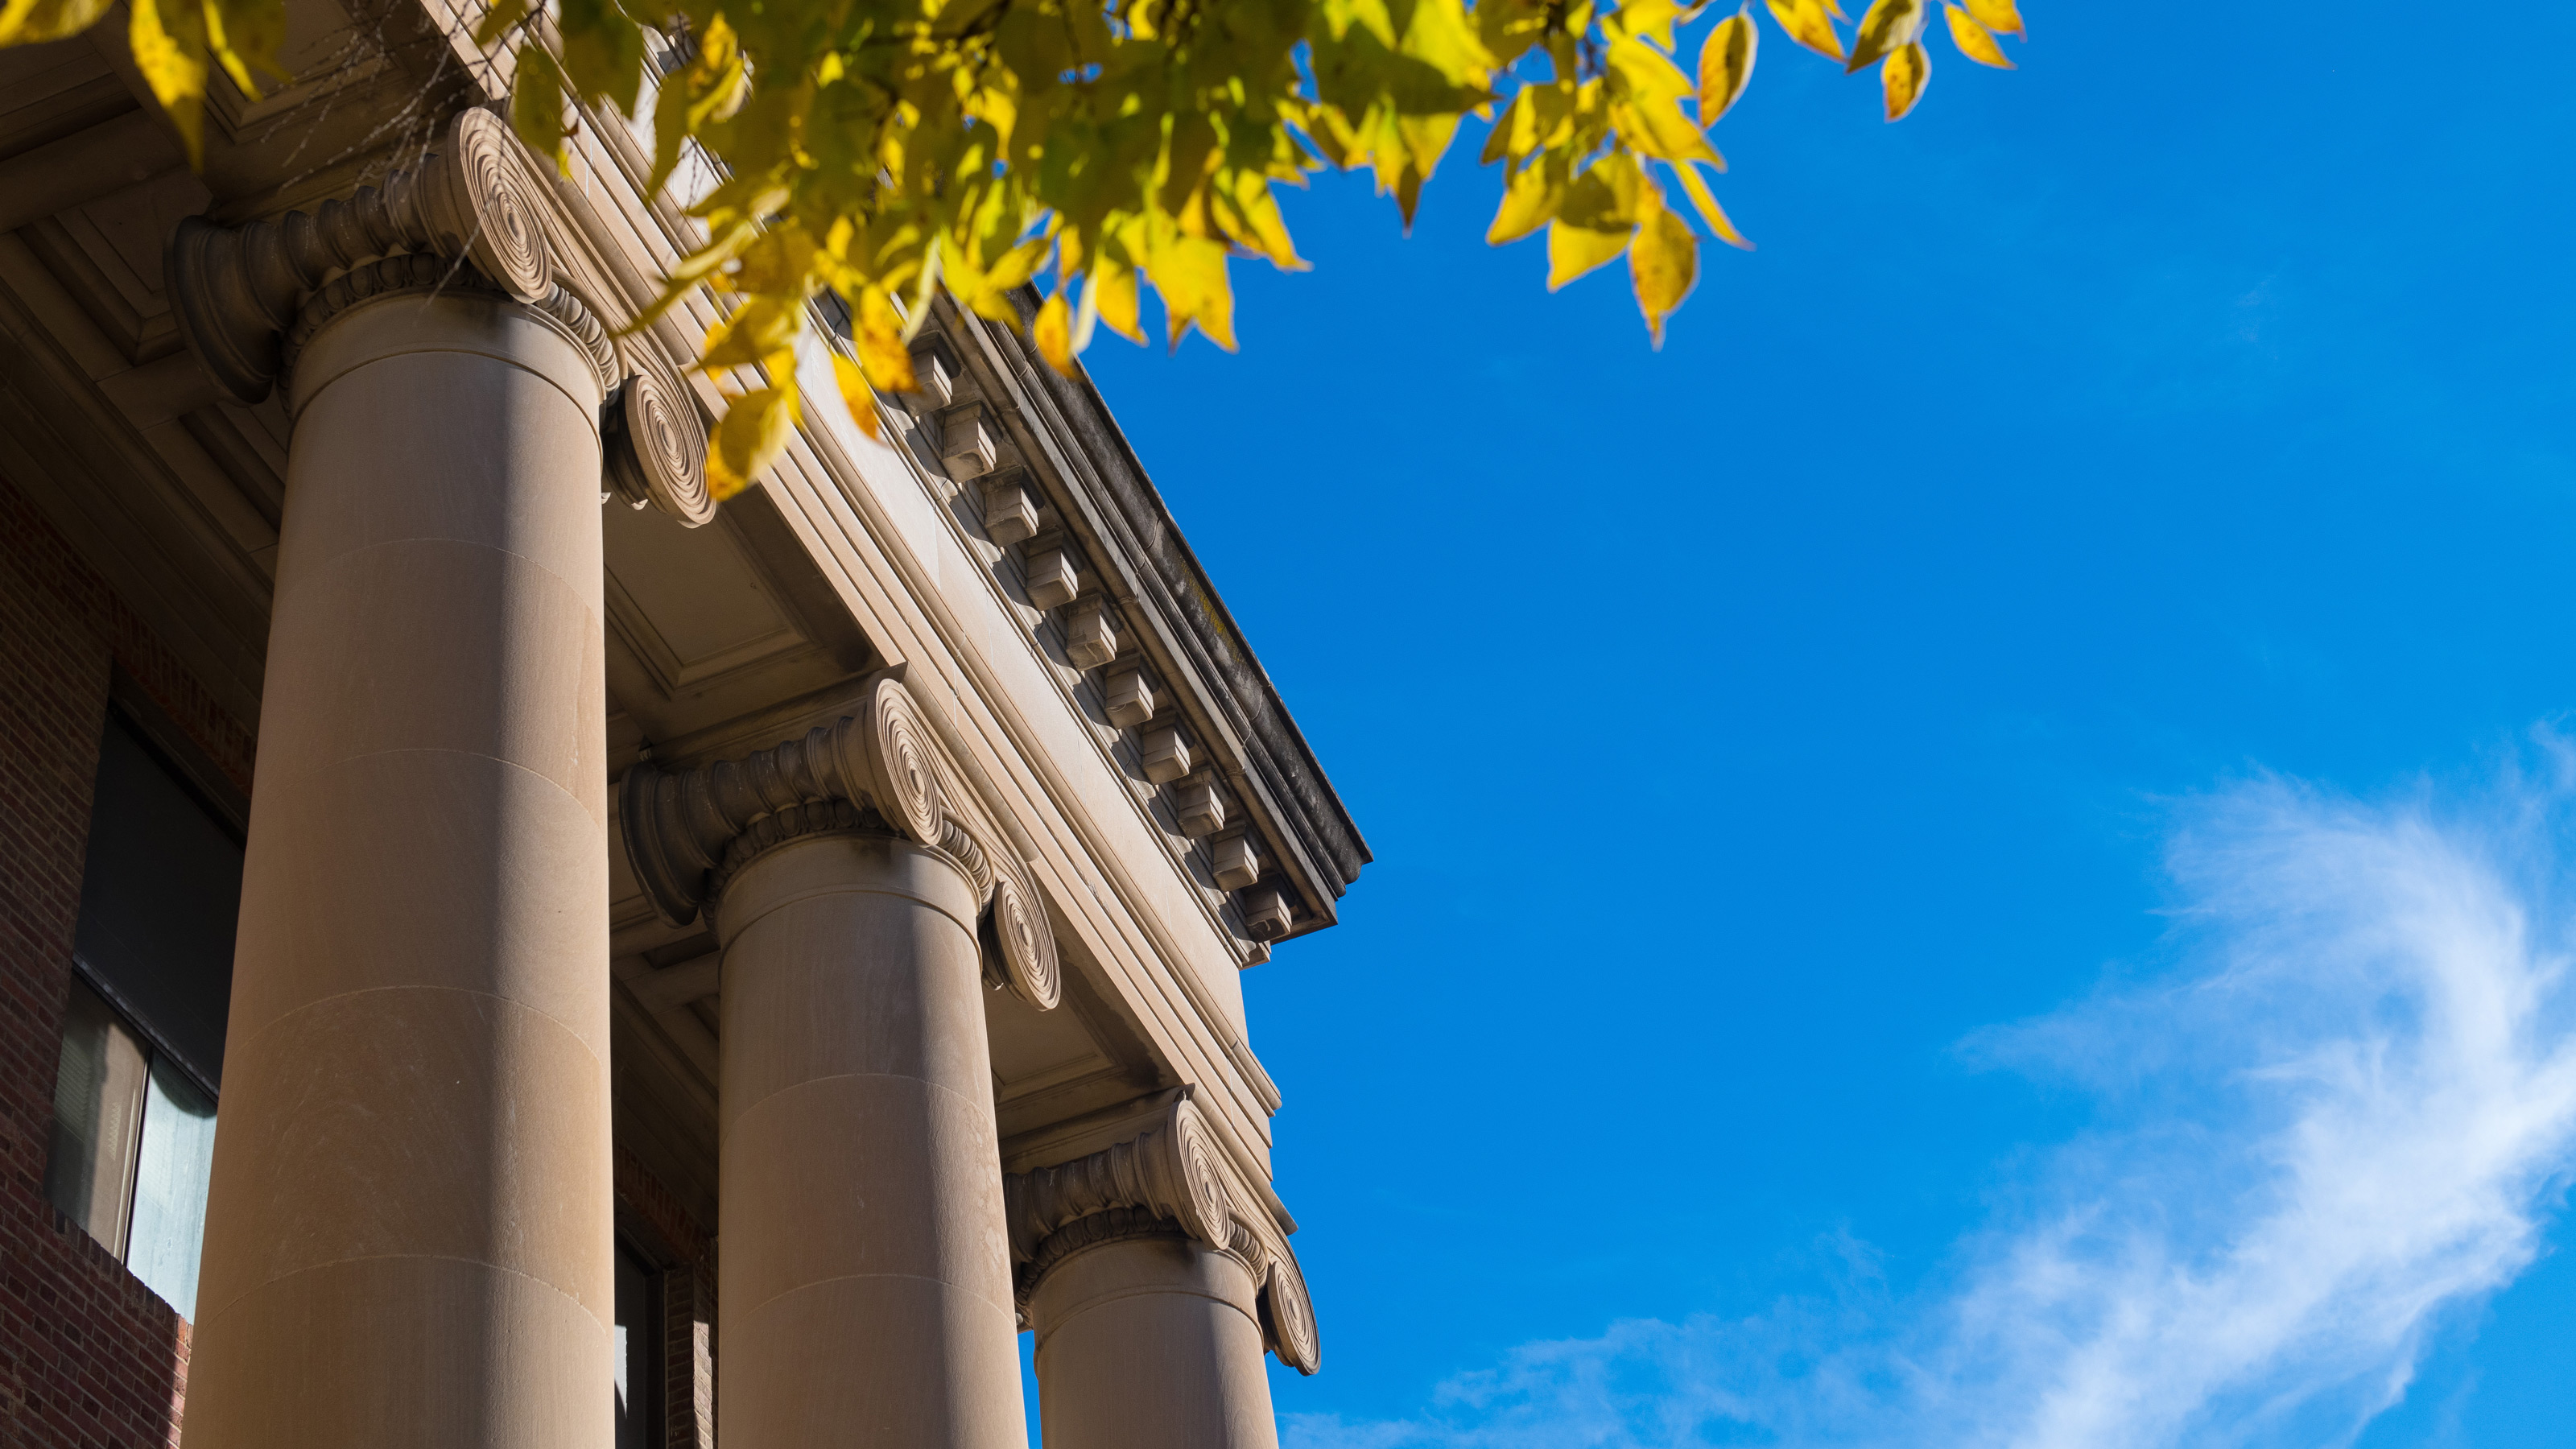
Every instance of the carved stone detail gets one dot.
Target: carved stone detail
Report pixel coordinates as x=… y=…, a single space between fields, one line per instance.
x=966 y=445
x=238 y=290
x=654 y=448
x=1010 y=509
x=1110 y=1225
x=249 y=298
x=1015 y=933
x=1130 y=698
x=407 y=272
x=1165 y=754
x=678 y=826
x=1053 y=578
x=1266 y=914
x=1170 y=1170
x=574 y=315
x=1091 y=632
x=1288 y=1314
x=1198 y=808
x=429 y=272
x=934 y=367
x=1163 y=1183
x=1235 y=859
x=688 y=832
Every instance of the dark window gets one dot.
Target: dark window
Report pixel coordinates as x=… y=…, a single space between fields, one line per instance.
x=639 y=1352
x=143 y=1034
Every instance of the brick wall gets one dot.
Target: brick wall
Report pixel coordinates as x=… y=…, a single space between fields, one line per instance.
x=89 y=1357
x=688 y=1283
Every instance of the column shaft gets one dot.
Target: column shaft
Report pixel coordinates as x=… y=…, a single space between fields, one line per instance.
x=1150 y=1342
x=408 y=1234
x=865 y=1294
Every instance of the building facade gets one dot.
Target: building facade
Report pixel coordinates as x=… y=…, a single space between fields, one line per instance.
x=499 y=950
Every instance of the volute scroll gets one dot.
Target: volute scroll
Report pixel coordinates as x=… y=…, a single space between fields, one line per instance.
x=654 y=449
x=1170 y=1170
x=238 y=290
x=881 y=768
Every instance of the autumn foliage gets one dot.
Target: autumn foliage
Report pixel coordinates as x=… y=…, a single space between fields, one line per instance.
x=882 y=148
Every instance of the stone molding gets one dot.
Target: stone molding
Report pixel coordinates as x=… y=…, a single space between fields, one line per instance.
x=238 y=289
x=1082 y=475
x=1167 y=1181
x=248 y=298
x=655 y=448
x=883 y=768
x=1172 y=1170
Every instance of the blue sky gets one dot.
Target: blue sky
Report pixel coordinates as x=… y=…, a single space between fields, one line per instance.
x=1972 y=851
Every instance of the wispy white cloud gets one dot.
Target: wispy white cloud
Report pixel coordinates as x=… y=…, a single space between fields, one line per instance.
x=2346 y=1116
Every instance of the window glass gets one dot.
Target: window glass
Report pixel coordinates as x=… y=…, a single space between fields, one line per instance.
x=98 y=1104
x=170 y=1187
x=143 y=1034
x=160 y=895
x=639 y=1354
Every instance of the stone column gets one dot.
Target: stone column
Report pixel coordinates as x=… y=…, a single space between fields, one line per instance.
x=1151 y=1299
x=865 y=1279
x=408 y=1232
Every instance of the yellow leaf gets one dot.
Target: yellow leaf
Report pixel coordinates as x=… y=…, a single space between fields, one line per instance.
x=1903 y=76
x=1649 y=117
x=1085 y=318
x=718 y=73
x=1055 y=334
x=1889 y=26
x=1249 y=215
x=1709 y=211
x=245 y=36
x=1973 y=41
x=1529 y=199
x=1806 y=22
x=752 y=436
x=1663 y=262
x=1439 y=33
x=1189 y=272
x=25 y=22
x=883 y=359
x=1498 y=135
x=1648 y=20
x=1574 y=250
x=764 y=327
x=1016 y=266
x=2002 y=17
x=169 y=45
x=861 y=399
x=1726 y=64
x=1113 y=298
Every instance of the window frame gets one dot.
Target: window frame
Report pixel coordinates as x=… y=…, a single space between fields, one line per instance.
x=194 y=775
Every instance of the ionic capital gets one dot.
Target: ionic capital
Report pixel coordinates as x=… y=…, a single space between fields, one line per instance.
x=688 y=832
x=1165 y=1182
x=1170 y=1171
x=239 y=289
x=248 y=298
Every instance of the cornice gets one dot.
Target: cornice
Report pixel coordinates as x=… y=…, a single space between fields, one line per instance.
x=1189 y=635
